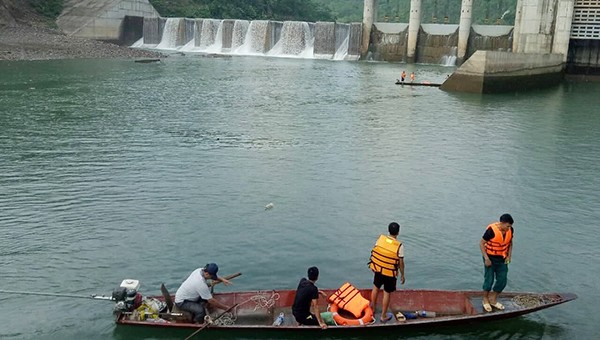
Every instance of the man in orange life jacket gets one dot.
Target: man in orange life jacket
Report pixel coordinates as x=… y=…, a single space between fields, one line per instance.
x=387 y=257
x=496 y=248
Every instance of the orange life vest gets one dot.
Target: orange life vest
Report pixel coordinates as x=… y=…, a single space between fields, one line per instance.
x=349 y=299
x=498 y=246
x=384 y=256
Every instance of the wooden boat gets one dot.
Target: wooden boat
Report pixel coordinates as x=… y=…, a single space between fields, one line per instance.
x=146 y=61
x=408 y=83
x=257 y=310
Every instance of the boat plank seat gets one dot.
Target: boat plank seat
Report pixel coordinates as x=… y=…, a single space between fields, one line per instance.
x=172 y=308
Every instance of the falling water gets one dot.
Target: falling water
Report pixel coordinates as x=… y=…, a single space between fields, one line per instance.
x=296 y=40
x=208 y=33
x=169 y=36
x=342 y=41
x=138 y=43
x=254 y=42
x=240 y=28
x=260 y=37
x=217 y=44
x=450 y=59
x=342 y=51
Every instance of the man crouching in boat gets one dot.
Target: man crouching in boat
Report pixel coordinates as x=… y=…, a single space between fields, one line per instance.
x=307 y=295
x=194 y=294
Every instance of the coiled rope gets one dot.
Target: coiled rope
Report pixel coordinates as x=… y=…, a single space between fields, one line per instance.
x=229 y=318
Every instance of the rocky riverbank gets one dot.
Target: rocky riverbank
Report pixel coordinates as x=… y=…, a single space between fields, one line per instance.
x=22 y=42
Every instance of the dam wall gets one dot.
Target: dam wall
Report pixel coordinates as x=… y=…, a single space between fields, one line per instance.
x=297 y=39
x=495 y=72
x=103 y=19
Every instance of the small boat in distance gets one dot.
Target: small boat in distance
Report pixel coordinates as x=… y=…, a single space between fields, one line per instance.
x=258 y=311
x=425 y=83
x=146 y=61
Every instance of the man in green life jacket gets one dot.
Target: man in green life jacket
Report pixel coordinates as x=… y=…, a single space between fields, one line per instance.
x=387 y=258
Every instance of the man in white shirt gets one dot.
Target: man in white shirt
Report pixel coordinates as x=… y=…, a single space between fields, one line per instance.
x=194 y=293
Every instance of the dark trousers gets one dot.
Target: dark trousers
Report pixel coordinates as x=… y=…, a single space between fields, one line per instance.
x=309 y=320
x=197 y=308
x=498 y=272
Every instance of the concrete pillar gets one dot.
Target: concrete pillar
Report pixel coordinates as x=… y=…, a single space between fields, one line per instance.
x=414 y=23
x=517 y=26
x=535 y=22
x=562 y=27
x=464 y=29
x=369 y=12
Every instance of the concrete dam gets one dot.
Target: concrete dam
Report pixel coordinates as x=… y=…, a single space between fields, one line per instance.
x=437 y=44
x=549 y=38
x=320 y=40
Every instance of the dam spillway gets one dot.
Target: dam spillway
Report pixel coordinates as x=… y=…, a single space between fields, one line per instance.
x=291 y=39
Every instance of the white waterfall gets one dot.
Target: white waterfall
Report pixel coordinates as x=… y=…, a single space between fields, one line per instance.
x=254 y=42
x=450 y=59
x=240 y=28
x=296 y=41
x=289 y=39
x=342 y=51
x=169 y=36
x=209 y=33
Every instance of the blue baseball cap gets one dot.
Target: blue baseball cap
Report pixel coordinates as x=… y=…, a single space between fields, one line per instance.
x=212 y=270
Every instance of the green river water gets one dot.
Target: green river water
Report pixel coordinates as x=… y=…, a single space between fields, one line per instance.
x=111 y=169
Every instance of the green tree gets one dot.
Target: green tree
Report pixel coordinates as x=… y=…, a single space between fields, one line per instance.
x=48 y=8
x=301 y=10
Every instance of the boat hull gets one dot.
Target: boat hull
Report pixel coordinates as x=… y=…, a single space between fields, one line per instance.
x=258 y=309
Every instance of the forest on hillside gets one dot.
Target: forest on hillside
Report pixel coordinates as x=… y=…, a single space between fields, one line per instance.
x=432 y=11
x=302 y=10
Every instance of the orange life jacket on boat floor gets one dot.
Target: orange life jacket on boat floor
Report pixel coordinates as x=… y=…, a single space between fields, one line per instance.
x=349 y=299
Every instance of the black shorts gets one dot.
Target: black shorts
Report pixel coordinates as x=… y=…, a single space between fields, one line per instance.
x=309 y=320
x=388 y=282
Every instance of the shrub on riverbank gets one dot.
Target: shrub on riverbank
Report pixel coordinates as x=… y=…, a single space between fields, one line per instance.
x=48 y=8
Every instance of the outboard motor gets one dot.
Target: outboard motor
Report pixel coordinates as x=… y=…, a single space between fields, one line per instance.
x=126 y=296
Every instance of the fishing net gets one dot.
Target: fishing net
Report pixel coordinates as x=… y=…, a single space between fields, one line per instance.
x=229 y=318
x=531 y=301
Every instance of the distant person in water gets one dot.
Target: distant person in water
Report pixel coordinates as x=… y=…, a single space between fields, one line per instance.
x=403 y=76
x=412 y=77
x=496 y=249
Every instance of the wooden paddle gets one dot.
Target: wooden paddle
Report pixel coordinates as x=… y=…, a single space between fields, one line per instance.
x=228 y=277
x=206 y=323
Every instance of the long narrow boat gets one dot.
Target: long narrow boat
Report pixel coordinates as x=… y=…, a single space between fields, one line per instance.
x=408 y=83
x=257 y=310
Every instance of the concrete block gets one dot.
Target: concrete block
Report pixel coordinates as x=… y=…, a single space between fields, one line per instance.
x=493 y=72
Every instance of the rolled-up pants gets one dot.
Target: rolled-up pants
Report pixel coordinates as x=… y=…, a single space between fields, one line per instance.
x=497 y=272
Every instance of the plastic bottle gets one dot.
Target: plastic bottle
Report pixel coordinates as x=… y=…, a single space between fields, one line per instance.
x=425 y=314
x=409 y=315
x=279 y=319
